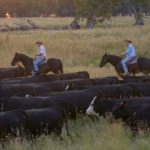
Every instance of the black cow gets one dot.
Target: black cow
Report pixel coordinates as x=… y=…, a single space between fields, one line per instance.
x=32 y=123
x=47 y=78
x=142 y=88
x=10 y=72
x=37 y=89
x=95 y=81
x=100 y=106
x=138 y=79
x=12 y=123
x=105 y=91
x=132 y=114
x=46 y=121
x=72 y=102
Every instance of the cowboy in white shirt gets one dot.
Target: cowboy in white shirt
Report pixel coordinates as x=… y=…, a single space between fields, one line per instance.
x=130 y=53
x=40 y=56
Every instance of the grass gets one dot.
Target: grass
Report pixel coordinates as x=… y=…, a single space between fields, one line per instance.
x=86 y=134
x=80 y=50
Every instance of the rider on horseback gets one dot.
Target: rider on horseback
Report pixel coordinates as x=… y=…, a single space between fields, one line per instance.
x=39 y=57
x=129 y=55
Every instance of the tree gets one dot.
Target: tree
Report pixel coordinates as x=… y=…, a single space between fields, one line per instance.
x=94 y=10
x=136 y=8
x=104 y=9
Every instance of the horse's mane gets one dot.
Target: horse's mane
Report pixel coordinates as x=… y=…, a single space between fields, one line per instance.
x=115 y=56
x=23 y=55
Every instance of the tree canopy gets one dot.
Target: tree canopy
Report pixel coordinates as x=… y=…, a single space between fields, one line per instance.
x=104 y=9
x=90 y=9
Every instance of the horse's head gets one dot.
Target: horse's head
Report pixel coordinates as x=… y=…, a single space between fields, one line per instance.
x=15 y=59
x=104 y=60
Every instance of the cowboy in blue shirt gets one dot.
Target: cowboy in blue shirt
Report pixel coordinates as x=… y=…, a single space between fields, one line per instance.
x=39 y=57
x=129 y=53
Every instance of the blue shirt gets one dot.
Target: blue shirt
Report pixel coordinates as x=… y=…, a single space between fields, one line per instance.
x=130 y=51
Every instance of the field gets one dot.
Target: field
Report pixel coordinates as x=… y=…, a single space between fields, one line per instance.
x=80 y=50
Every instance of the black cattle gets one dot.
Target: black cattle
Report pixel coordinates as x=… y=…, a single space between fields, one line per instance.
x=113 y=91
x=32 y=123
x=119 y=90
x=73 y=102
x=132 y=114
x=95 y=81
x=12 y=123
x=106 y=91
x=46 y=121
x=138 y=79
x=10 y=72
x=143 y=89
x=37 y=89
x=106 y=80
x=100 y=106
x=47 y=78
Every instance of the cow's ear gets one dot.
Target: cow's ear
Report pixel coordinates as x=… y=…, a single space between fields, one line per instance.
x=96 y=98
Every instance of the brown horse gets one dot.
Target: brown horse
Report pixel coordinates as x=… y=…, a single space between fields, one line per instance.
x=52 y=64
x=142 y=65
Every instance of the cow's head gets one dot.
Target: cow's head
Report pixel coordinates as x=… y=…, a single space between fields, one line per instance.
x=120 y=111
x=94 y=107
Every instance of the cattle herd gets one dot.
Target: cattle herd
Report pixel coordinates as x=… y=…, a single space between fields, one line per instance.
x=32 y=106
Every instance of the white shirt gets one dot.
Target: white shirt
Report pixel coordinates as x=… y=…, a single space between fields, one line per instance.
x=41 y=49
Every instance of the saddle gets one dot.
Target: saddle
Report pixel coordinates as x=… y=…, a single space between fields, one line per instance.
x=134 y=60
x=43 y=61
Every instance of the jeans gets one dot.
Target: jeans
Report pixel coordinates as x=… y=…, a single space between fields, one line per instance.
x=36 y=62
x=124 y=62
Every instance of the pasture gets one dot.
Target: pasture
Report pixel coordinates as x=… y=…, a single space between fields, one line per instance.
x=80 y=50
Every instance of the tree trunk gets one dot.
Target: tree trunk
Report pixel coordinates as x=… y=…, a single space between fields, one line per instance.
x=90 y=23
x=137 y=14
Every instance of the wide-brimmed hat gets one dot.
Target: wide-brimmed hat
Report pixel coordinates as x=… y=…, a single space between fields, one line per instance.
x=39 y=42
x=128 y=40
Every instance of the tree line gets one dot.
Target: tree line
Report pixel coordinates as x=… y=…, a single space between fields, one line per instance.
x=32 y=8
x=91 y=9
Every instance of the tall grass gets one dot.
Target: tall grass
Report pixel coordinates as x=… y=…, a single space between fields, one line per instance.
x=80 y=50
x=87 y=135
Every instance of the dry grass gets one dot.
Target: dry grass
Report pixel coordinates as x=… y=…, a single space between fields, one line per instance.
x=80 y=50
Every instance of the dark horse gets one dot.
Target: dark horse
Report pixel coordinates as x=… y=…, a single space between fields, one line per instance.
x=142 y=65
x=52 y=64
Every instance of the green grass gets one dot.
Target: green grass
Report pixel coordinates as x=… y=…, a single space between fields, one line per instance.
x=80 y=50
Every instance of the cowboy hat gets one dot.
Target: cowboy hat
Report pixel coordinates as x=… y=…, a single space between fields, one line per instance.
x=128 y=40
x=38 y=42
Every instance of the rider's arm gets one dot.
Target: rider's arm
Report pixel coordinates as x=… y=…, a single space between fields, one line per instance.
x=40 y=51
x=127 y=51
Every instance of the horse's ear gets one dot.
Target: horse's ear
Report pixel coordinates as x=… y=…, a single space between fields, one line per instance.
x=105 y=54
x=16 y=53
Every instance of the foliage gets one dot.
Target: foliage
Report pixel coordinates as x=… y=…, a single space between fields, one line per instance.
x=95 y=8
x=26 y=8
